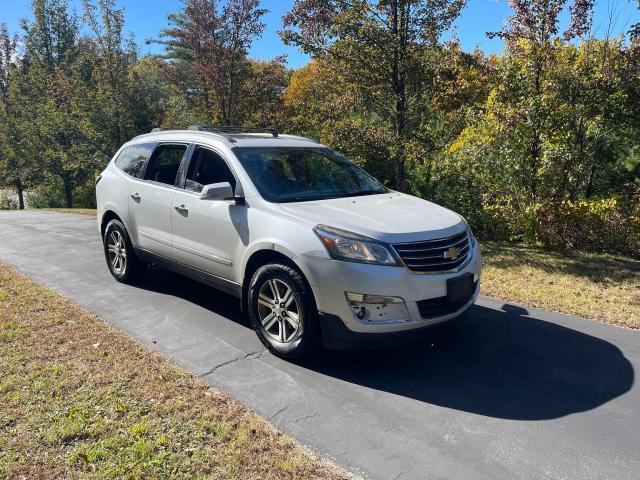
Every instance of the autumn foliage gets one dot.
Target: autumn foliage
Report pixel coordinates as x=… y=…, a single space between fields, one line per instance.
x=540 y=143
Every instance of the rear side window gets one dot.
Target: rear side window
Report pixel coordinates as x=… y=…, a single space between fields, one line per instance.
x=132 y=159
x=207 y=167
x=164 y=163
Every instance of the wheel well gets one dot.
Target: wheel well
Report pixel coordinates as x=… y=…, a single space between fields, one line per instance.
x=106 y=218
x=257 y=260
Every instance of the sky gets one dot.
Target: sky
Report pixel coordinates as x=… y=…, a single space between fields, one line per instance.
x=145 y=18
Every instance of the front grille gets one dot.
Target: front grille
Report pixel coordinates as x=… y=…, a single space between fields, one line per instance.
x=440 y=306
x=429 y=256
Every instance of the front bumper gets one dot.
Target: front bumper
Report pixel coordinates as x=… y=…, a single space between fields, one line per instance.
x=330 y=279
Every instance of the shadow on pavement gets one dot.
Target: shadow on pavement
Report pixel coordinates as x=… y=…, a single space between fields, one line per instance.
x=501 y=364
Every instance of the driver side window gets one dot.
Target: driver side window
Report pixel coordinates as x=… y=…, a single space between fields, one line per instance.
x=207 y=167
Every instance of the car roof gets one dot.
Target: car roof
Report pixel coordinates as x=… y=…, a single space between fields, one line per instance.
x=231 y=140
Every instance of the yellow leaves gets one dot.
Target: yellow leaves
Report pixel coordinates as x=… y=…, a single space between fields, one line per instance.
x=301 y=84
x=457 y=145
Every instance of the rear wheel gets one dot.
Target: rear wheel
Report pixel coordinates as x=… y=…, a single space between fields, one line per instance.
x=121 y=258
x=283 y=311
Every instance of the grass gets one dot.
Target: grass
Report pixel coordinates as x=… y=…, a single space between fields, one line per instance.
x=81 y=211
x=82 y=400
x=601 y=287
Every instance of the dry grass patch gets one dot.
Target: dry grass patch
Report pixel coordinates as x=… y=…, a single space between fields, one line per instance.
x=82 y=211
x=596 y=286
x=82 y=400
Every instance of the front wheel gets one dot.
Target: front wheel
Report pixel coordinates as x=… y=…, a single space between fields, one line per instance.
x=121 y=258
x=283 y=312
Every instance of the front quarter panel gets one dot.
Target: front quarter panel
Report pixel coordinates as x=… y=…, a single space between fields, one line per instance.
x=269 y=231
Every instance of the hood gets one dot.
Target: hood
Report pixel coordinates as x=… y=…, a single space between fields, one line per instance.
x=391 y=217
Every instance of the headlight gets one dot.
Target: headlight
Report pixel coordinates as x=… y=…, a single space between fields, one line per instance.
x=343 y=245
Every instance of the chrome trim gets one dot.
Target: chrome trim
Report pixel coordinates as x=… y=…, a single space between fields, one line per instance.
x=460 y=267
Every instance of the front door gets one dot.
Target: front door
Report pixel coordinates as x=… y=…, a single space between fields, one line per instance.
x=151 y=199
x=207 y=234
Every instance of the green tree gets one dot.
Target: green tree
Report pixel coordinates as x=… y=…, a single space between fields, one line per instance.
x=51 y=48
x=531 y=45
x=13 y=163
x=380 y=48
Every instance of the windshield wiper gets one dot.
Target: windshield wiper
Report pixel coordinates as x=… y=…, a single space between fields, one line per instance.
x=362 y=193
x=329 y=197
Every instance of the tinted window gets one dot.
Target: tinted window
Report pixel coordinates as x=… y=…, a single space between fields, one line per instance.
x=284 y=174
x=131 y=159
x=207 y=167
x=164 y=163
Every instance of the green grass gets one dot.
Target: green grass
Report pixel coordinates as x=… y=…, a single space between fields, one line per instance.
x=601 y=287
x=82 y=400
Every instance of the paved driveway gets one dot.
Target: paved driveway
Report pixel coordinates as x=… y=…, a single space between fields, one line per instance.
x=517 y=393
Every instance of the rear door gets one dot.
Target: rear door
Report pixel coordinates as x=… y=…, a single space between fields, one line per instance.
x=151 y=197
x=207 y=233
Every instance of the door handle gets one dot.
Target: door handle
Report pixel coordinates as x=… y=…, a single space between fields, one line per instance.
x=136 y=196
x=182 y=209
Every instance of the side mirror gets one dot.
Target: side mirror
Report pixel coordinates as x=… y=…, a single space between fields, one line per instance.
x=217 y=191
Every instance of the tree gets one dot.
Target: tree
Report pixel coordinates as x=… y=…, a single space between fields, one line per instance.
x=316 y=94
x=207 y=47
x=81 y=95
x=380 y=47
x=263 y=92
x=529 y=36
x=12 y=171
x=50 y=40
x=51 y=48
x=107 y=92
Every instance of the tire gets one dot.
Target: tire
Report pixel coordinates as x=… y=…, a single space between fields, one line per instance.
x=289 y=326
x=129 y=268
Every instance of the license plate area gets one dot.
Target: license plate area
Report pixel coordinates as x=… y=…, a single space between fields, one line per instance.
x=460 y=288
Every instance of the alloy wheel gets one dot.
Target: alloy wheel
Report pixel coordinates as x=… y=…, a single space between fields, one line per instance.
x=117 y=252
x=278 y=310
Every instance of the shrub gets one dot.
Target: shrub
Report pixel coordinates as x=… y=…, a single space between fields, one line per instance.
x=608 y=225
x=601 y=225
x=505 y=219
x=84 y=196
x=49 y=195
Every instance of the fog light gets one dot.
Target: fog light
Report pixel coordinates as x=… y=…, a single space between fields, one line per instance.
x=377 y=308
x=364 y=298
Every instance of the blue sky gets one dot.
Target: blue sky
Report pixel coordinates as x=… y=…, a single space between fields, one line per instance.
x=146 y=17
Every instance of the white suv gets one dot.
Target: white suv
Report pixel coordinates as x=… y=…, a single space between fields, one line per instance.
x=318 y=251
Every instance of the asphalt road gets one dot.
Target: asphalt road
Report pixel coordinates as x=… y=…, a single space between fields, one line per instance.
x=515 y=393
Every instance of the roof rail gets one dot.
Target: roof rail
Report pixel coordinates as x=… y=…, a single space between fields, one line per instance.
x=225 y=129
x=162 y=129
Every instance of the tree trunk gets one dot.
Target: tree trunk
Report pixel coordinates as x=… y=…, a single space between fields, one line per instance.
x=400 y=172
x=68 y=192
x=592 y=175
x=399 y=86
x=20 y=190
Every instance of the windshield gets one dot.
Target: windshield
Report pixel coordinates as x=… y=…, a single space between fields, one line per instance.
x=293 y=174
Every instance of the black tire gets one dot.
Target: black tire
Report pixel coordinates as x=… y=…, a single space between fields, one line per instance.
x=132 y=267
x=303 y=342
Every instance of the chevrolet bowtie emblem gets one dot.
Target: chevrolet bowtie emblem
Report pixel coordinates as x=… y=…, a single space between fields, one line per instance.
x=452 y=253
